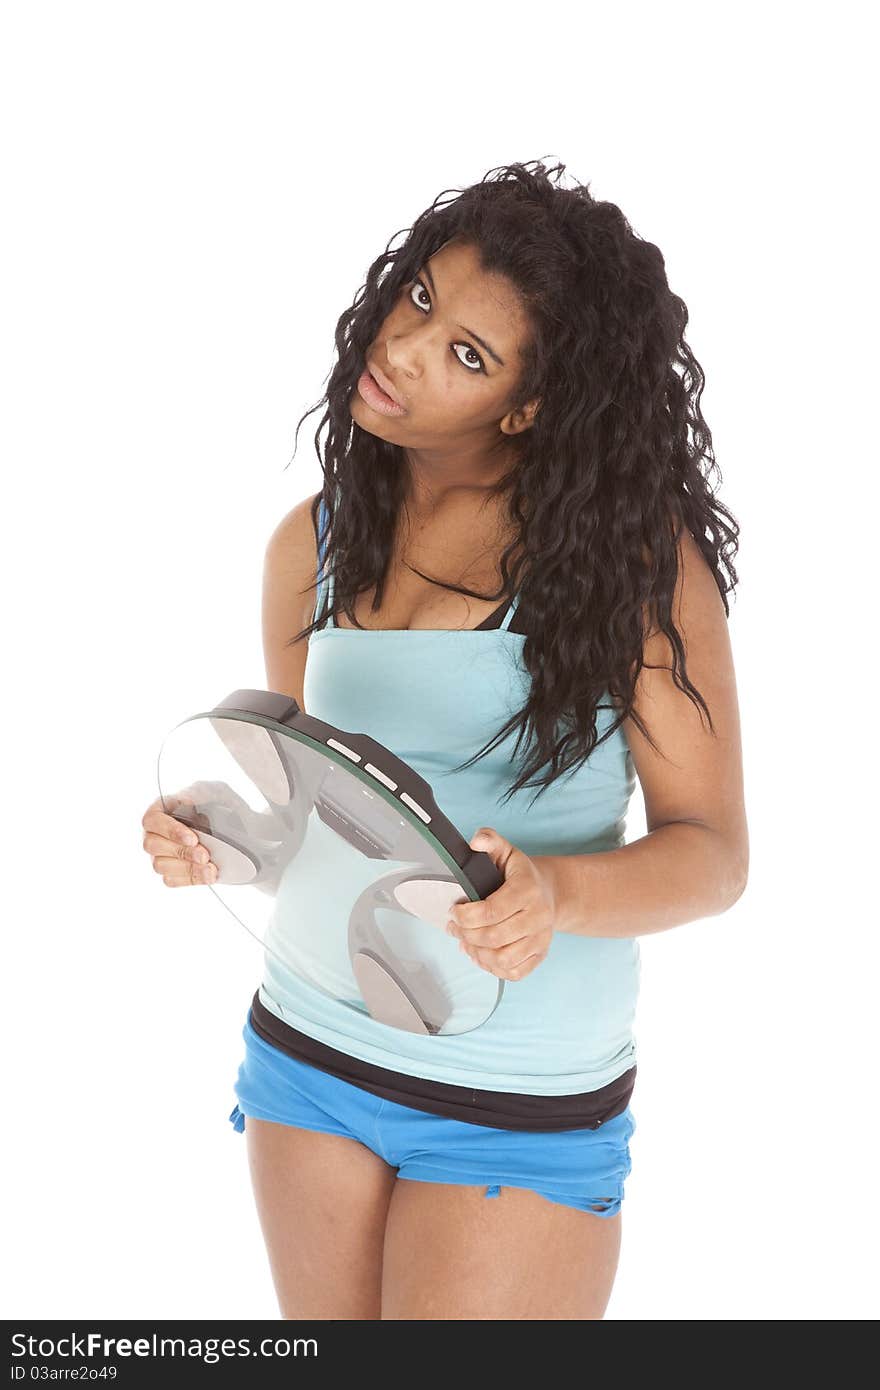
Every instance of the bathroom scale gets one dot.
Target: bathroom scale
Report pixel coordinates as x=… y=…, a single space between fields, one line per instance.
x=332 y=852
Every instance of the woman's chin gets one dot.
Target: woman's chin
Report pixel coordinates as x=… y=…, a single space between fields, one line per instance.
x=383 y=426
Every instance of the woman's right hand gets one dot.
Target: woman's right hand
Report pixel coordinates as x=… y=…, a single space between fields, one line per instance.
x=174 y=848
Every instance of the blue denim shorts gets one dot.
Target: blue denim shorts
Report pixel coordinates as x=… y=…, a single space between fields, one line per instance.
x=583 y=1168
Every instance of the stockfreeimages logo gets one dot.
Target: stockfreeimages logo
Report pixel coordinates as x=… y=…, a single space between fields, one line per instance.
x=94 y=1345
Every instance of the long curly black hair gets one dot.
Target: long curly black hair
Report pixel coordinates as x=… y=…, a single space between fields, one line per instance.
x=617 y=460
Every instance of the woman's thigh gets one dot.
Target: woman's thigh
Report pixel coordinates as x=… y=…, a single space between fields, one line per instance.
x=322 y=1201
x=451 y=1254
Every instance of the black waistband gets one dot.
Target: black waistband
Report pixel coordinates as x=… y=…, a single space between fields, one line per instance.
x=497 y=1109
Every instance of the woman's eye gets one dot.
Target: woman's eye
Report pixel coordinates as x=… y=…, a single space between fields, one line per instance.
x=480 y=367
x=417 y=285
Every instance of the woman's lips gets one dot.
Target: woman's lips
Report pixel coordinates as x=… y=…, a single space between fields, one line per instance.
x=378 y=400
x=384 y=382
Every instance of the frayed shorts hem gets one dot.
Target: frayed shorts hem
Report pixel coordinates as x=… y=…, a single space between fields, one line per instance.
x=428 y=1172
x=597 y=1208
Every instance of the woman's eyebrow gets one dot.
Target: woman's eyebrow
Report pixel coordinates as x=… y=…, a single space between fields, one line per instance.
x=483 y=344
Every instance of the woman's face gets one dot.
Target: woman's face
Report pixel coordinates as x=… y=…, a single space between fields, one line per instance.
x=449 y=351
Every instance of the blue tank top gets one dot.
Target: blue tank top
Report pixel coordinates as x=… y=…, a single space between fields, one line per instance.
x=435 y=697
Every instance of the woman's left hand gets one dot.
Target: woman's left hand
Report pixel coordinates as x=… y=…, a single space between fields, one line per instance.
x=508 y=933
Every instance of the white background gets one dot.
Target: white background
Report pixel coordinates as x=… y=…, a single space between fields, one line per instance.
x=192 y=193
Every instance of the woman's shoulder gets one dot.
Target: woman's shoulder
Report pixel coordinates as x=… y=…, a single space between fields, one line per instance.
x=292 y=548
x=294 y=532
x=289 y=576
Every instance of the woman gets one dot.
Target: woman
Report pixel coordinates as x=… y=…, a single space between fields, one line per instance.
x=519 y=584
